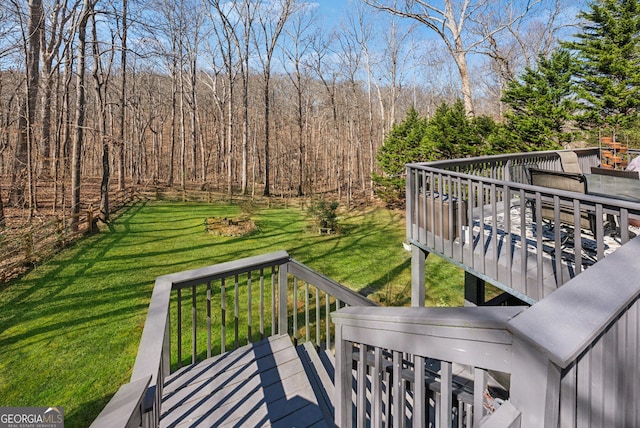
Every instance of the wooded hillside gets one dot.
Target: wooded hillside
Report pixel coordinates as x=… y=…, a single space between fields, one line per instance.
x=250 y=96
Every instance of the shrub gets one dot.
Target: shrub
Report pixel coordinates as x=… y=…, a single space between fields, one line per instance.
x=324 y=214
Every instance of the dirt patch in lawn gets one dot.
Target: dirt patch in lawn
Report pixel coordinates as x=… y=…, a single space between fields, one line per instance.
x=225 y=226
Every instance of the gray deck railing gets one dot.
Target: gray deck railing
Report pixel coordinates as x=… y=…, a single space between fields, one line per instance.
x=481 y=214
x=409 y=359
x=246 y=299
x=570 y=360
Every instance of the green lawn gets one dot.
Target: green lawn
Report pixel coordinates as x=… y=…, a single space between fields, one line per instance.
x=69 y=330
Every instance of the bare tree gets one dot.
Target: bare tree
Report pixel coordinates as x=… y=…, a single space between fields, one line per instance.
x=101 y=74
x=124 y=31
x=80 y=116
x=227 y=47
x=269 y=30
x=23 y=165
x=522 y=42
x=322 y=63
x=165 y=33
x=9 y=45
x=247 y=10
x=384 y=61
x=454 y=23
x=351 y=63
x=361 y=30
x=235 y=47
x=191 y=40
x=300 y=43
x=56 y=20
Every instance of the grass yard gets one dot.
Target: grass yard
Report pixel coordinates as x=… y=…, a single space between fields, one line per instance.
x=69 y=330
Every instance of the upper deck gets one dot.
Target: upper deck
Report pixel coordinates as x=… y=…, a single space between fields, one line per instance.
x=483 y=215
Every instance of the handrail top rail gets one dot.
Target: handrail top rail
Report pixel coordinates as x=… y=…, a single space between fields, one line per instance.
x=565 y=323
x=475 y=336
x=485 y=317
x=129 y=396
x=334 y=288
x=548 y=191
x=209 y=273
x=496 y=158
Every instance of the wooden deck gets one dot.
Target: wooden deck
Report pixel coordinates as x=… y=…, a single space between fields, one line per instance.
x=525 y=268
x=261 y=384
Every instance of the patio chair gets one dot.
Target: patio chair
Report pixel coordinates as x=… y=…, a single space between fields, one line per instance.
x=562 y=181
x=569 y=162
x=519 y=173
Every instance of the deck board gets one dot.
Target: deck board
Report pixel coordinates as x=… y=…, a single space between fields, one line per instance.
x=262 y=384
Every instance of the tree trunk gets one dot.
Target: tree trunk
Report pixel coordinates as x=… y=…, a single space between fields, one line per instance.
x=267 y=191
x=99 y=78
x=465 y=80
x=123 y=97
x=76 y=150
x=22 y=168
x=183 y=140
x=174 y=110
x=230 y=131
x=194 y=115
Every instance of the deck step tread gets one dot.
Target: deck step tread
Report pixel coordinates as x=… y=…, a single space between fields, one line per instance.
x=321 y=378
x=261 y=384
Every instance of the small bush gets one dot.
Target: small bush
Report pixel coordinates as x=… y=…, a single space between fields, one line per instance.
x=324 y=215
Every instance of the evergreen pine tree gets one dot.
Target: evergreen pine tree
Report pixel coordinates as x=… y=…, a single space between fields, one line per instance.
x=402 y=145
x=449 y=134
x=541 y=103
x=608 y=51
x=452 y=134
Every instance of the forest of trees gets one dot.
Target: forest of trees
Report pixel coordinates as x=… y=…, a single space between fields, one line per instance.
x=247 y=96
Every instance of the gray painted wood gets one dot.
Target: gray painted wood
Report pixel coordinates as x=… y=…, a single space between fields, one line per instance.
x=531 y=275
x=420 y=391
x=507 y=416
x=225 y=270
x=327 y=285
x=465 y=335
x=320 y=369
x=257 y=384
x=567 y=321
x=124 y=409
x=535 y=386
x=446 y=394
x=361 y=396
x=474 y=336
x=418 y=257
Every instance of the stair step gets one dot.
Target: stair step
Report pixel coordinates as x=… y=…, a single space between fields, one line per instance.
x=263 y=383
x=320 y=374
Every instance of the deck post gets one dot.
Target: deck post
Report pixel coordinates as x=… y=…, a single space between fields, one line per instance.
x=418 y=258
x=535 y=386
x=474 y=288
x=282 y=298
x=410 y=185
x=342 y=380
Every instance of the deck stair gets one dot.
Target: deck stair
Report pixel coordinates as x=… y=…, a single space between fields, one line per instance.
x=273 y=383
x=260 y=384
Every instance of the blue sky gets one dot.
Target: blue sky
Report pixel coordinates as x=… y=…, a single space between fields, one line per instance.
x=331 y=10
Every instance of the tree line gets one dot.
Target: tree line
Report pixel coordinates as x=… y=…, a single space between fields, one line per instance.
x=588 y=85
x=247 y=96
